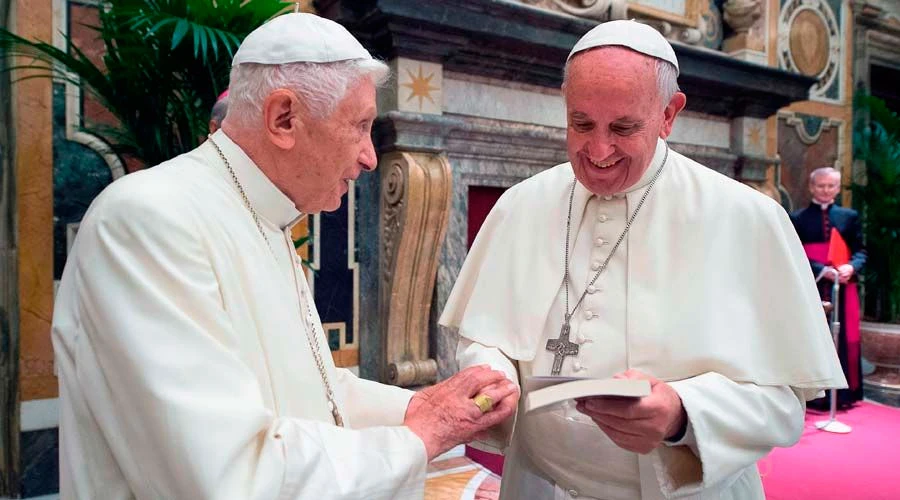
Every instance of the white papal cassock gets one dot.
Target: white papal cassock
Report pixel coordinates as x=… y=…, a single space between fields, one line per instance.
x=709 y=291
x=185 y=371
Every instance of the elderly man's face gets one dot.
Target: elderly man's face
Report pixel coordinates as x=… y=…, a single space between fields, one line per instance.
x=332 y=151
x=615 y=116
x=825 y=187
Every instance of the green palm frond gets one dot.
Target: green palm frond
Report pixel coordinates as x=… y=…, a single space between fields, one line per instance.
x=876 y=141
x=165 y=63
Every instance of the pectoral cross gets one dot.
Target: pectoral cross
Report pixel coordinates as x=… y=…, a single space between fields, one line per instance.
x=562 y=347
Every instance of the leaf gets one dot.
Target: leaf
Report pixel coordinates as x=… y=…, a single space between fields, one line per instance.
x=159 y=88
x=181 y=29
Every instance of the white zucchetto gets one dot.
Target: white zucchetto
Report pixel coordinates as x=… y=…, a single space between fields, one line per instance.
x=631 y=34
x=299 y=37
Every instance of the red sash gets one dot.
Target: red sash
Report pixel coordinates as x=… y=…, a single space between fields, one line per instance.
x=819 y=252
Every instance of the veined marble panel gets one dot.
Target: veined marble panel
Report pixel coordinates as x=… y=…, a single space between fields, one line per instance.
x=700 y=131
x=484 y=100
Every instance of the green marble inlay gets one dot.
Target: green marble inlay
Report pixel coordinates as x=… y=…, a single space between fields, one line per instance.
x=79 y=174
x=811 y=124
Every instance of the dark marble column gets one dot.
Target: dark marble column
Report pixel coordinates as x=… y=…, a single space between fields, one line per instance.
x=40 y=462
x=9 y=286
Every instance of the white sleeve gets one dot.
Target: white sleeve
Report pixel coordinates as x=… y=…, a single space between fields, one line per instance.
x=731 y=426
x=370 y=404
x=182 y=412
x=469 y=353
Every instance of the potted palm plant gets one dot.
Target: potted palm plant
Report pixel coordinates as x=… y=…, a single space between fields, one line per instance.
x=165 y=62
x=877 y=194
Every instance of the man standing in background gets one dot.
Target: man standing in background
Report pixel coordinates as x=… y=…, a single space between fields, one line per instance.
x=821 y=226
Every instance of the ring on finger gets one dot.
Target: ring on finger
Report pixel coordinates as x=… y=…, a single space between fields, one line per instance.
x=484 y=402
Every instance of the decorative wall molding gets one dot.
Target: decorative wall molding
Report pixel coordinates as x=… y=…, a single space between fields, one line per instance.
x=809 y=128
x=415 y=208
x=597 y=10
x=74 y=131
x=685 y=13
x=530 y=45
x=472 y=98
x=811 y=42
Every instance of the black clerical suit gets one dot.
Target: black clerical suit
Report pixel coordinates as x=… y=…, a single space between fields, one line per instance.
x=813 y=225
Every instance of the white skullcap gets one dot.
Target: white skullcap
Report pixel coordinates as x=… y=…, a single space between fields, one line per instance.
x=631 y=34
x=299 y=37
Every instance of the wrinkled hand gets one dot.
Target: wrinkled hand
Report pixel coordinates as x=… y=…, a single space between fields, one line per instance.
x=444 y=414
x=845 y=272
x=638 y=425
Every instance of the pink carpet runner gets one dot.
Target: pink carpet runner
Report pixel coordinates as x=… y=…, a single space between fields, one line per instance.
x=862 y=465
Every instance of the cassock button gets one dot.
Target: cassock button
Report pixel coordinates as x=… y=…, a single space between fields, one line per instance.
x=589 y=314
x=603 y=218
x=577 y=366
x=573 y=493
x=607 y=198
x=595 y=265
x=580 y=339
x=592 y=289
x=600 y=241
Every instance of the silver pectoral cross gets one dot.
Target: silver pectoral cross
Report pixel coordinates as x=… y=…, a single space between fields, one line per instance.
x=562 y=347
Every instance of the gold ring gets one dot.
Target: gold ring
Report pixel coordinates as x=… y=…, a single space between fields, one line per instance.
x=483 y=402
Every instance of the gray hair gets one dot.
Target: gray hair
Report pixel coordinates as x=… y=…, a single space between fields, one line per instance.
x=321 y=86
x=823 y=171
x=666 y=79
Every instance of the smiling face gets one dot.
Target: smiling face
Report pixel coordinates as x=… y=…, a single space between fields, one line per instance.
x=615 y=116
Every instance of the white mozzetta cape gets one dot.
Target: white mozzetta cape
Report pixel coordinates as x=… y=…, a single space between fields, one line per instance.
x=717 y=280
x=185 y=370
x=711 y=291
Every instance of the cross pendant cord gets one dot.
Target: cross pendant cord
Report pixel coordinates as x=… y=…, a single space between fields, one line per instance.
x=562 y=346
x=311 y=336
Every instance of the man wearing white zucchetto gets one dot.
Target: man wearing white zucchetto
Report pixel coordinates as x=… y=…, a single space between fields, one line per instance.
x=192 y=361
x=634 y=261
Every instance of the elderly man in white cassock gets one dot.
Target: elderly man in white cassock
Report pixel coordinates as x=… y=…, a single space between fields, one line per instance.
x=644 y=264
x=191 y=358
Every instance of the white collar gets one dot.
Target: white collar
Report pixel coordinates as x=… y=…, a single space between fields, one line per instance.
x=265 y=198
x=646 y=177
x=823 y=206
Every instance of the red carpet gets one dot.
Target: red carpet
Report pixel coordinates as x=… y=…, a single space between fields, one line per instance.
x=862 y=465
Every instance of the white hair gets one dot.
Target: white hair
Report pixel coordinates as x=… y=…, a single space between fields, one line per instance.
x=321 y=86
x=666 y=78
x=823 y=171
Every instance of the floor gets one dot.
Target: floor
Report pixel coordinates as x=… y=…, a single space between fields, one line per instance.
x=453 y=476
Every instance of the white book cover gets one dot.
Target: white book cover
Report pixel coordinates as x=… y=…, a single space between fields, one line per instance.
x=544 y=391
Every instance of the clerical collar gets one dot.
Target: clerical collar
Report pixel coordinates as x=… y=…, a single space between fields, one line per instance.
x=268 y=201
x=651 y=170
x=645 y=179
x=823 y=206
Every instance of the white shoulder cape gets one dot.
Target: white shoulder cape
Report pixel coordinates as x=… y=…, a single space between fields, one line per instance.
x=717 y=280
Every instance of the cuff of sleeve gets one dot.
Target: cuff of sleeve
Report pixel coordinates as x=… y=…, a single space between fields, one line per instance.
x=394 y=405
x=688 y=438
x=678 y=465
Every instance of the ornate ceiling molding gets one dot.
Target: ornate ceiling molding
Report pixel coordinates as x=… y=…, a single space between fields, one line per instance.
x=518 y=43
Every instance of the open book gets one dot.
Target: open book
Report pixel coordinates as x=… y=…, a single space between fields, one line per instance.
x=546 y=391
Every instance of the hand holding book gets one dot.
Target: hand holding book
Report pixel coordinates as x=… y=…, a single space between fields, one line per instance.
x=638 y=424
